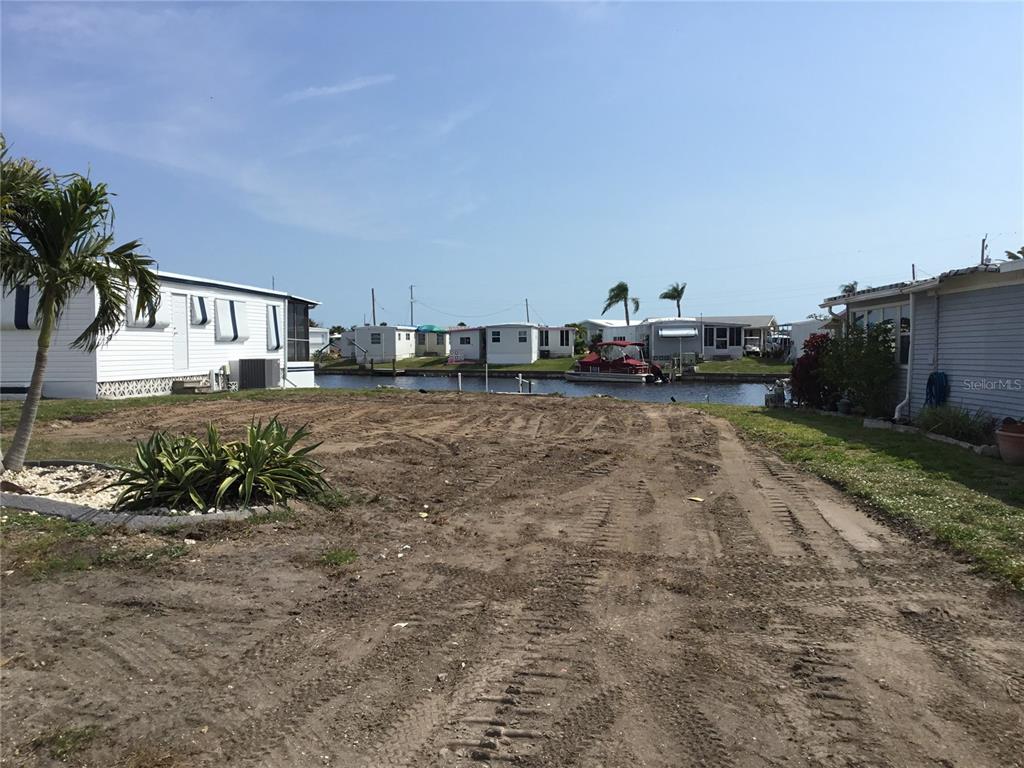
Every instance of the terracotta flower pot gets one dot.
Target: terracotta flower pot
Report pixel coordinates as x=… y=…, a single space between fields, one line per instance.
x=1011 y=444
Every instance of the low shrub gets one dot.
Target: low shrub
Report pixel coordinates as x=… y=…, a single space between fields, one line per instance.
x=807 y=378
x=976 y=427
x=186 y=472
x=861 y=364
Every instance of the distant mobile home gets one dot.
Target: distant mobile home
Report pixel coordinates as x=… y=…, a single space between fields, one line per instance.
x=431 y=340
x=466 y=345
x=384 y=343
x=319 y=339
x=966 y=323
x=512 y=344
x=201 y=327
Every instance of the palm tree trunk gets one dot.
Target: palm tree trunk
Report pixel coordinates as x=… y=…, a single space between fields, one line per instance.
x=15 y=458
x=679 y=308
x=625 y=306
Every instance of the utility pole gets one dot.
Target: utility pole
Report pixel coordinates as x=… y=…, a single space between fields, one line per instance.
x=913 y=272
x=411 y=301
x=527 y=310
x=373 y=303
x=984 y=247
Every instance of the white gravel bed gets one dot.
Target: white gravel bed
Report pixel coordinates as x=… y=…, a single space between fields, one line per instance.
x=86 y=485
x=78 y=484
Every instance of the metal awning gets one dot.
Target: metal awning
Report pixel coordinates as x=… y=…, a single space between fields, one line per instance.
x=677 y=333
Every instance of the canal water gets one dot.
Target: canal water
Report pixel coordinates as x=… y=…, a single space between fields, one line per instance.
x=683 y=392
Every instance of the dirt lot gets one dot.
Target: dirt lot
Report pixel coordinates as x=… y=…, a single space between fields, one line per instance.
x=563 y=604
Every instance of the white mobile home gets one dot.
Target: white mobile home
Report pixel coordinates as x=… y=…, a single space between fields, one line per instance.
x=319 y=339
x=965 y=324
x=201 y=328
x=757 y=332
x=672 y=338
x=384 y=343
x=466 y=345
x=556 y=341
x=512 y=344
x=723 y=338
x=344 y=344
x=431 y=341
x=600 y=329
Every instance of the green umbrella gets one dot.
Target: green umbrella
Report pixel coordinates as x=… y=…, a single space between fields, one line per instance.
x=430 y=329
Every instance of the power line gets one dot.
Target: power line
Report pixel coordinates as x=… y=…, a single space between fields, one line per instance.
x=466 y=314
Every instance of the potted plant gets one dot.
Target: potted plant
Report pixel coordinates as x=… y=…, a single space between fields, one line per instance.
x=1010 y=439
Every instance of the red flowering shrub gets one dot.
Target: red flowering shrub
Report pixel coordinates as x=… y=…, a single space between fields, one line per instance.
x=808 y=376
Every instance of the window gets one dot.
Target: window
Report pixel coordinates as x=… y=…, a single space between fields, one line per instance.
x=465 y=340
x=524 y=336
x=563 y=338
x=544 y=339
x=440 y=339
x=375 y=338
x=872 y=317
x=618 y=338
x=735 y=337
x=496 y=337
x=421 y=338
x=298 y=331
x=202 y=312
x=273 y=327
x=721 y=337
x=231 y=320
x=154 y=316
x=904 y=343
x=709 y=336
x=408 y=337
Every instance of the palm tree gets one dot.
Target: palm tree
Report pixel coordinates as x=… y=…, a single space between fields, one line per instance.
x=619 y=293
x=56 y=239
x=846 y=288
x=675 y=293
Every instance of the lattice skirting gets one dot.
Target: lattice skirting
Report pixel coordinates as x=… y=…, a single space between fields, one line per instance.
x=116 y=390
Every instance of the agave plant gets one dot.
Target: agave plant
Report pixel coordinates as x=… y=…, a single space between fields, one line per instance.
x=188 y=472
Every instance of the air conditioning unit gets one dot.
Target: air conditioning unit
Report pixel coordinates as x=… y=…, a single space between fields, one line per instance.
x=257 y=373
x=545 y=353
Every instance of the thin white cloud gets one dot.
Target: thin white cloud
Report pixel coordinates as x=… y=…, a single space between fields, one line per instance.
x=355 y=84
x=450 y=122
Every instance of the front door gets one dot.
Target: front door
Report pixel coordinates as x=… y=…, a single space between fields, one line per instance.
x=179 y=330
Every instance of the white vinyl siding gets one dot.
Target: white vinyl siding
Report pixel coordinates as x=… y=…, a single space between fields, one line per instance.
x=513 y=345
x=69 y=372
x=139 y=353
x=980 y=348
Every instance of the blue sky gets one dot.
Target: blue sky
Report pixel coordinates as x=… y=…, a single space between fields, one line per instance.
x=491 y=152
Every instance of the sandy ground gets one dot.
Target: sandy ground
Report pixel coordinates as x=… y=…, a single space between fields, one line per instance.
x=564 y=604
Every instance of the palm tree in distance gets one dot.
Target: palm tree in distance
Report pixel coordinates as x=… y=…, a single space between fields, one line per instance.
x=675 y=293
x=619 y=294
x=56 y=240
x=846 y=288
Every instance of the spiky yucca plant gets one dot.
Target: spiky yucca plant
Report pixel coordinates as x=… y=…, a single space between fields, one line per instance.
x=185 y=472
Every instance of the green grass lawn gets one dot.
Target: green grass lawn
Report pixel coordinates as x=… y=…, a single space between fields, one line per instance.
x=745 y=365
x=441 y=364
x=973 y=504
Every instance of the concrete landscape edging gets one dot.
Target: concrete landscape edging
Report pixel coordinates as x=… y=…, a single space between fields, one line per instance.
x=982 y=450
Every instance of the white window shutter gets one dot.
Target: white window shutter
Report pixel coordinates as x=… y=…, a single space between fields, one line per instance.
x=273 y=327
x=18 y=309
x=202 y=310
